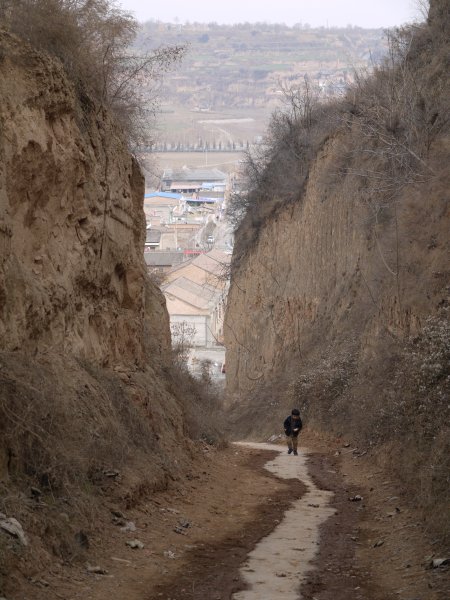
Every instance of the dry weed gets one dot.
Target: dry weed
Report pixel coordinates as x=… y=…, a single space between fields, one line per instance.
x=92 y=39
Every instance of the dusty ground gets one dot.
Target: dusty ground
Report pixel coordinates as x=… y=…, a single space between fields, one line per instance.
x=229 y=503
x=376 y=548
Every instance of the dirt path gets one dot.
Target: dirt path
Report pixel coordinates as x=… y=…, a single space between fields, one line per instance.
x=280 y=562
x=229 y=502
x=261 y=525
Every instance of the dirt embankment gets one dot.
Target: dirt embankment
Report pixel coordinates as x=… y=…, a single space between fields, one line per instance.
x=71 y=223
x=339 y=297
x=90 y=411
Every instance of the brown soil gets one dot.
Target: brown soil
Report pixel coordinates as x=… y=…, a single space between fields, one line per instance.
x=231 y=502
x=212 y=570
x=374 y=549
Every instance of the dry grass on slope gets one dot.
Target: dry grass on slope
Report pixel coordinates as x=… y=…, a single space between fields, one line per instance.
x=378 y=373
x=396 y=406
x=386 y=124
x=77 y=440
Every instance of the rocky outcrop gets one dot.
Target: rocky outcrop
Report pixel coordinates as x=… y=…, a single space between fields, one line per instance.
x=72 y=276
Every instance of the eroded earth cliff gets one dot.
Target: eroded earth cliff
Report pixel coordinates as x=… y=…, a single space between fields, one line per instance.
x=89 y=406
x=71 y=223
x=340 y=286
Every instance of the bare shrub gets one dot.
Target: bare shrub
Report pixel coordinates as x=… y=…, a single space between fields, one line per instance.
x=392 y=117
x=92 y=40
x=400 y=402
x=422 y=382
x=417 y=402
x=200 y=397
x=157 y=277
x=396 y=114
x=41 y=423
x=182 y=338
x=202 y=404
x=276 y=171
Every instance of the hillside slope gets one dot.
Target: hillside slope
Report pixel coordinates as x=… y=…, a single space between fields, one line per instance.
x=230 y=79
x=340 y=280
x=91 y=409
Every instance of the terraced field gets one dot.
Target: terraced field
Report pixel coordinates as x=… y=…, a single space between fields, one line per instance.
x=237 y=72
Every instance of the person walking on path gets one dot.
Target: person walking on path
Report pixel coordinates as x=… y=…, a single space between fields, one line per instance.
x=292 y=427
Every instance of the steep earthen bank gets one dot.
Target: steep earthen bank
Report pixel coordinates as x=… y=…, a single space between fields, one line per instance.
x=323 y=273
x=339 y=294
x=72 y=224
x=90 y=408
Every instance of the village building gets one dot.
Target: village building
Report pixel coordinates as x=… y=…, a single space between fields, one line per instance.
x=152 y=239
x=161 y=206
x=209 y=268
x=162 y=261
x=185 y=188
x=180 y=235
x=197 y=306
x=200 y=307
x=193 y=181
x=195 y=292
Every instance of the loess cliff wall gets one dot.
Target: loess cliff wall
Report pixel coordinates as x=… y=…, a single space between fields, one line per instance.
x=72 y=278
x=92 y=409
x=324 y=272
x=339 y=298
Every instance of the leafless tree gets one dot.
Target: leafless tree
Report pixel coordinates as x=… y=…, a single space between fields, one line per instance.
x=92 y=39
x=276 y=171
x=182 y=338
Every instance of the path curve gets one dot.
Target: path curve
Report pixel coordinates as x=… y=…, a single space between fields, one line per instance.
x=277 y=566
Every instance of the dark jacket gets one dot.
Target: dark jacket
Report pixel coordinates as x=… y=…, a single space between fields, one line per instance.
x=290 y=424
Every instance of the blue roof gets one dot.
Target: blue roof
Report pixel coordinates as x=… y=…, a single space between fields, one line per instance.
x=164 y=195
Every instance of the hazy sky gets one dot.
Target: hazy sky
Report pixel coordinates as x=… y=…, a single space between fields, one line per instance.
x=365 y=13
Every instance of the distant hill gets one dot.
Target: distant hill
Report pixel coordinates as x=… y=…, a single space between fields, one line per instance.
x=238 y=70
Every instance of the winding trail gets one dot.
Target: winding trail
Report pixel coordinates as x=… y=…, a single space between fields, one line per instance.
x=277 y=566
